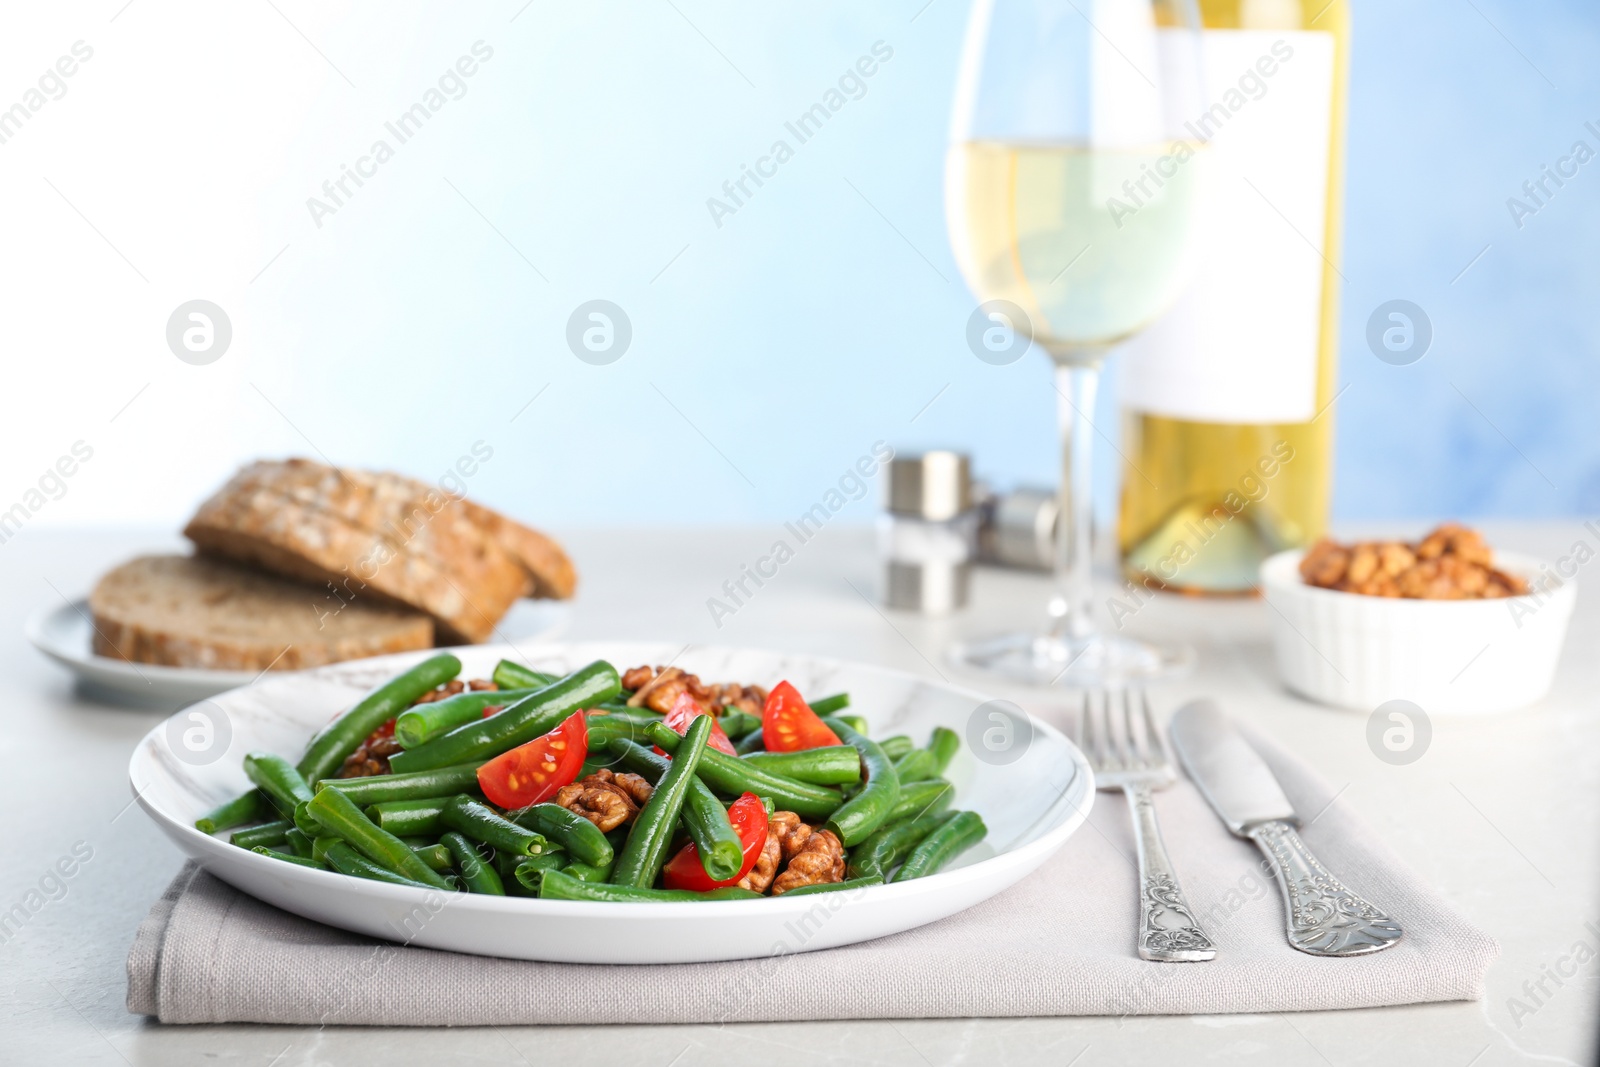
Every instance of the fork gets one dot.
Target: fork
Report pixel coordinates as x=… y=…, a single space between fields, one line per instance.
x=1125 y=751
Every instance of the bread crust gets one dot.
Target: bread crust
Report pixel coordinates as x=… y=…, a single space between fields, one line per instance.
x=390 y=536
x=467 y=594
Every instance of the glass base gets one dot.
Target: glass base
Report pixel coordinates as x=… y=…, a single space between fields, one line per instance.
x=1093 y=661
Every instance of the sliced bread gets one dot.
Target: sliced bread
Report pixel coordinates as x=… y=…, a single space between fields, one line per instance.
x=183 y=611
x=467 y=590
x=420 y=517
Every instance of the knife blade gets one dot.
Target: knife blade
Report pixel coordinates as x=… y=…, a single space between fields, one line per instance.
x=1322 y=916
x=1233 y=778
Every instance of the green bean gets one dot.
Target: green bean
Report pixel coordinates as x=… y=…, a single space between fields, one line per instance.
x=588 y=873
x=436 y=856
x=410 y=818
x=341 y=857
x=646 y=850
x=855 y=722
x=558 y=885
x=917 y=765
x=835 y=887
x=278 y=781
x=622 y=714
x=888 y=845
x=508 y=675
x=422 y=723
x=828 y=765
x=268 y=833
x=869 y=808
x=529 y=871
x=478 y=875
x=627 y=709
x=920 y=798
x=341 y=737
x=568 y=831
x=603 y=729
x=754 y=741
x=897 y=746
x=944 y=743
x=736 y=722
x=418 y=785
x=957 y=834
x=298 y=840
x=339 y=814
x=304 y=820
x=479 y=822
x=704 y=816
x=830 y=705
x=734 y=775
x=536 y=714
x=245 y=808
x=288 y=857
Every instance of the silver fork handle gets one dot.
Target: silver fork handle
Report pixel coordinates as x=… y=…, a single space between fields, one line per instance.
x=1168 y=930
x=1324 y=917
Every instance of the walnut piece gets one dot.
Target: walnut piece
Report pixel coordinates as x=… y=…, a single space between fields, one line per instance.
x=371 y=757
x=766 y=868
x=658 y=688
x=608 y=800
x=810 y=856
x=820 y=860
x=1450 y=563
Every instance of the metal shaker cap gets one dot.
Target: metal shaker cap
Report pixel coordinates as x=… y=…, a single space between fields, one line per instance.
x=934 y=485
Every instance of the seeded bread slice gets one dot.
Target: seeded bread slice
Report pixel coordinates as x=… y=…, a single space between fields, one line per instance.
x=466 y=592
x=419 y=517
x=550 y=570
x=183 y=611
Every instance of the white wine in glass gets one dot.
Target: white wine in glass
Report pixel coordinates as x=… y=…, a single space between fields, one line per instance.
x=1074 y=189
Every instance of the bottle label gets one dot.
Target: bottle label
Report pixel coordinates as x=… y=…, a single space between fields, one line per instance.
x=1240 y=345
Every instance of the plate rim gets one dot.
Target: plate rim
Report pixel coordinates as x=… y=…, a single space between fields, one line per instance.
x=86 y=663
x=78 y=660
x=1081 y=783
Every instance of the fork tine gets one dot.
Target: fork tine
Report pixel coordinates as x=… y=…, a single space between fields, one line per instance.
x=1095 y=731
x=1138 y=755
x=1157 y=749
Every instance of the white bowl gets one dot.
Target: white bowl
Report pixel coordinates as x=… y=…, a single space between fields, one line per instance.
x=1445 y=656
x=1031 y=806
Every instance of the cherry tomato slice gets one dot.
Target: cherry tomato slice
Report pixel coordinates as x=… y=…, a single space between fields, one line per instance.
x=531 y=773
x=382 y=732
x=749 y=818
x=788 y=724
x=492 y=708
x=684 y=711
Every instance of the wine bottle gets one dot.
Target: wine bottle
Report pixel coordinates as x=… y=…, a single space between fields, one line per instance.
x=1227 y=399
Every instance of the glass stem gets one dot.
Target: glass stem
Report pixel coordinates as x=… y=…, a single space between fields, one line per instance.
x=1077 y=379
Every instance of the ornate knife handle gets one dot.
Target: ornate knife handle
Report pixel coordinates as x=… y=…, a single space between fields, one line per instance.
x=1168 y=932
x=1324 y=917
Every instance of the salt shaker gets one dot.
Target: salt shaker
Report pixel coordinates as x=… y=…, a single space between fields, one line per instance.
x=929 y=534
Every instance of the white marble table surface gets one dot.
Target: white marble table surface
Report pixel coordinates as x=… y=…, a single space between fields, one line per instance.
x=1501 y=814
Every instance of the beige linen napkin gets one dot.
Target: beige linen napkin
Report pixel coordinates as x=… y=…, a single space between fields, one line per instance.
x=1061 y=942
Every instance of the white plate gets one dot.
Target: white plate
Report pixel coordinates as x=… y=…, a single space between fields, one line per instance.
x=1031 y=805
x=66 y=634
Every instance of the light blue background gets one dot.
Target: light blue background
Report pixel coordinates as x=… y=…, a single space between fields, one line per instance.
x=827 y=312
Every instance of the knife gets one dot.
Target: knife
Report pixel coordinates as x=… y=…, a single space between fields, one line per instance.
x=1324 y=918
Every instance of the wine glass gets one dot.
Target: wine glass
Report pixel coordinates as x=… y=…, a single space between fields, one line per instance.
x=1073 y=187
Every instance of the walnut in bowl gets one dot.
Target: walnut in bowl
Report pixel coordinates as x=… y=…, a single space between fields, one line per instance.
x=1443 y=622
x=1451 y=563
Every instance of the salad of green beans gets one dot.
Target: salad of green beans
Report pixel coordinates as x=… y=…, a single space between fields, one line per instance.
x=697 y=827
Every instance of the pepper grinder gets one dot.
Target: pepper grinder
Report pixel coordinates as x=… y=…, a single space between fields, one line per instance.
x=929 y=534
